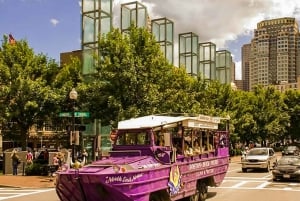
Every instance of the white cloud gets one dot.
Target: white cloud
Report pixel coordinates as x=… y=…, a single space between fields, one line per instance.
x=54 y=22
x=214 y=20
x=224 y=22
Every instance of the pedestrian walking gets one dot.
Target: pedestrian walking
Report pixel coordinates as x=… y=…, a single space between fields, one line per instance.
x=29 y=158
x=15 y=161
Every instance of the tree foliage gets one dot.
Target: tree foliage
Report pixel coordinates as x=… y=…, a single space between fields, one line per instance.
x=28 y=92
x=292 y=100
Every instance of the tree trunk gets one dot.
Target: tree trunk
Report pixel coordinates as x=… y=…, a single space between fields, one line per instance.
x=24 y=137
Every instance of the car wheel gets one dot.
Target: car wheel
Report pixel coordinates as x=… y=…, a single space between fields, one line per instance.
x=203 y=189
x=244 y=169
x=268 y=168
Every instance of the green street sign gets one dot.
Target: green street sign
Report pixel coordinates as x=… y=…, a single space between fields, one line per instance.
x=76 y=114
x=82 y=114
x=65 y=114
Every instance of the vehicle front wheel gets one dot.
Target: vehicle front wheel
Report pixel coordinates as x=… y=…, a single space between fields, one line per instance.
x=268 y=168
x=155 y=197
x=244 y=169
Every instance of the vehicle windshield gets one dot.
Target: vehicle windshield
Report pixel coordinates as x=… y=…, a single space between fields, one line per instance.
x=289 y=161
x=255 y=152
x=133 y=138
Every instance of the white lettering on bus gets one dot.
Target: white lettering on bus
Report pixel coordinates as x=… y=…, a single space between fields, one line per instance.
x=122 y=179
x=203 y=164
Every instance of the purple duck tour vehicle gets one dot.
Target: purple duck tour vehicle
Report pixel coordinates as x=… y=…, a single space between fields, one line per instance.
x=154 y=158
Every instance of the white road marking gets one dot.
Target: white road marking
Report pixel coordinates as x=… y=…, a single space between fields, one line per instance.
x=13 y=193
x=246 y=178
x=239 y=184
x=263 y=185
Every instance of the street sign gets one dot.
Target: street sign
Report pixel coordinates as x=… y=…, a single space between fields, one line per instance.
x=82 y=114
x=65 y=114
x=76 y=114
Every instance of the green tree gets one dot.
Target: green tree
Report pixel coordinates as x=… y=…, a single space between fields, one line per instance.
x=242 y=116
x=292 y=99
x=269 y=113
x=28 y=93
x=133 y=78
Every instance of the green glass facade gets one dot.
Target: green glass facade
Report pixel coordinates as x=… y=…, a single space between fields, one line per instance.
x=133 y=12
x=207 y=60
x=163 y=31
x=223 y=66
x=96 y=20
x=188 y=52
x=197 y=58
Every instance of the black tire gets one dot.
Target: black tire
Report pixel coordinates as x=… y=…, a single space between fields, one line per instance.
x=155 y=197
x=203 y=189
x=244 y=169
x=161 y=195
x=195 y=197
x=268 y=168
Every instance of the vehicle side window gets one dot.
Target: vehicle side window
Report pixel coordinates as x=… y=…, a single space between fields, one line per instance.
x=271 y=152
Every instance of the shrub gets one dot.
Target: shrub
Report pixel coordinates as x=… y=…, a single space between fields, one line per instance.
x=35 y=169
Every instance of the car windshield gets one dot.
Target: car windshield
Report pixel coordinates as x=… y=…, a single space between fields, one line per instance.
x=255 y=152
x=133 y=138
x=289 y=161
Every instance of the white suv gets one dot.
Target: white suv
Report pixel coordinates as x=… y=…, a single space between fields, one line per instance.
x=259 y=158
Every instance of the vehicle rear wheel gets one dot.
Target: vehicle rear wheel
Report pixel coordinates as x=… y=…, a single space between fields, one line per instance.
x=244 y=169
x=203 y=189
x=195 y=197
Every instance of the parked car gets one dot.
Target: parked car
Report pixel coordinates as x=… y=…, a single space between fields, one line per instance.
x=287 y=168
x=291 y=150
x=259 y=158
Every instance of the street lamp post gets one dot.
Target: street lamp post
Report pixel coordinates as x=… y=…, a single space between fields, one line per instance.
x=73 y=96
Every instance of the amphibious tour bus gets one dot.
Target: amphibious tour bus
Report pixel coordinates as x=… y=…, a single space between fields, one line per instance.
x=153 y=158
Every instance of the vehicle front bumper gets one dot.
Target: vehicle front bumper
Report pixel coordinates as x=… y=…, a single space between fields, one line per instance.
x=278 y=175
x=254 y=165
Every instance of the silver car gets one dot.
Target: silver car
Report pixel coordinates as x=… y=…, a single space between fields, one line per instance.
x=259 y=158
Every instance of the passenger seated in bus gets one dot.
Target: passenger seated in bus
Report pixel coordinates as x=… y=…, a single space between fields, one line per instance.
x=188 y=151
x=161 y=143
x=208 y=148
x=196 y=148
x=178 y=148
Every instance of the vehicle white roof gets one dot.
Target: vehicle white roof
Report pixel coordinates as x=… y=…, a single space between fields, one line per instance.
x=153 y=121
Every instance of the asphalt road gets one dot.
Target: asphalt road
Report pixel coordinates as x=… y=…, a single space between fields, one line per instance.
x=237 y=186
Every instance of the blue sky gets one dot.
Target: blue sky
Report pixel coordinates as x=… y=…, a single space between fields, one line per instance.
x=53 y=26
x=49 y=26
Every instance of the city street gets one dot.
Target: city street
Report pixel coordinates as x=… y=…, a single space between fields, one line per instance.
x=253 y=185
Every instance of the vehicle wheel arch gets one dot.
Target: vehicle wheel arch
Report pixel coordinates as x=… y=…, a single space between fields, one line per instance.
x=202 y=186
x=160 y=195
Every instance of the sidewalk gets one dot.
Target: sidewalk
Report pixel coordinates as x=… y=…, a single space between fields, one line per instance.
x=26 y=181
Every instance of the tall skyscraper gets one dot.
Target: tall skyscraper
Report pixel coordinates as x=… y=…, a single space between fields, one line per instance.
x=275 y=54
x=245 y=66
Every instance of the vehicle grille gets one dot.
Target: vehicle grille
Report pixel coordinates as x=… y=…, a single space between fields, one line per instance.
x=286 y=171
x=253 y=160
